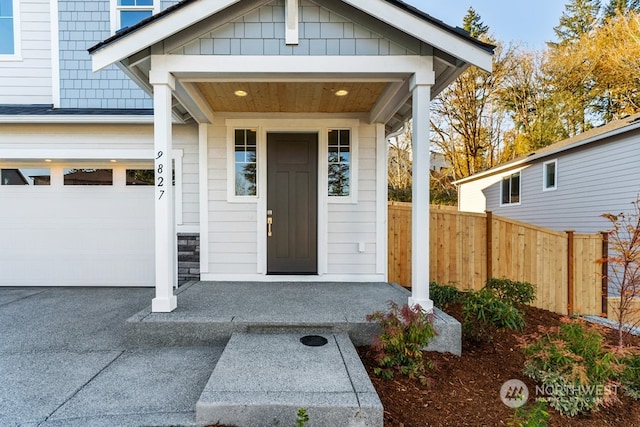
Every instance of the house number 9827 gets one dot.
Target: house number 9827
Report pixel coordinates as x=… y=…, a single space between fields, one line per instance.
x=159 y=179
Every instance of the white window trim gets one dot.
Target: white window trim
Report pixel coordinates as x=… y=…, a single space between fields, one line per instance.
x=519 y=202
x=352 y=198
x=114 y=16
x=232 y=197
x=544 y=175
x=17 y=40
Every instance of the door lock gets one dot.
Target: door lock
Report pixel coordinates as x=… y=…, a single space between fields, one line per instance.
x=269 y=223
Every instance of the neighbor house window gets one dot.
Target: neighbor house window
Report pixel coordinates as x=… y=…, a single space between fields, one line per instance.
x=339 y=157
x=25 y=176
x=245 y=146
x=7 y=24
x=511 y=189
x=130 y=12
x=550 y=175
x=88 y=176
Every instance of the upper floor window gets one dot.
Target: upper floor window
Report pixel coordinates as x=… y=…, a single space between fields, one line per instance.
x=549 y=178
x=7 y=39
x=130 y=12
x=339 y=162
x=510 y=189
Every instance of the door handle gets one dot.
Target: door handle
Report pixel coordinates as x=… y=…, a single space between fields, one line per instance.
x=269 y=223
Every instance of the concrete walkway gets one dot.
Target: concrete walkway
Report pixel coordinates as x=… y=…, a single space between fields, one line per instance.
x=63 y=362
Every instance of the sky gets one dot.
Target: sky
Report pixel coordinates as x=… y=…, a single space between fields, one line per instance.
x=508 y=20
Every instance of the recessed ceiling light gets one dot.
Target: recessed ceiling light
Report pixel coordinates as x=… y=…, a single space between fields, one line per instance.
x=113 y=160
x=48 y=160
x=342 y=92
x=240 y=93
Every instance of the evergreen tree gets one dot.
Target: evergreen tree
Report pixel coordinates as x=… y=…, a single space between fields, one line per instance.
x=620 y=6
x=580 y=17
x=472 y=22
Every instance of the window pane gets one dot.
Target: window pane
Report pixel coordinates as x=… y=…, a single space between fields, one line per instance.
x=6 y=8
x=129 y=18
x=339 y=159
x=245 y=179
x=140 y=177
x=551 y=175
x=6 y=36
x=515 y=188
x=505 y=190
x=88 y=177
x=25 y=177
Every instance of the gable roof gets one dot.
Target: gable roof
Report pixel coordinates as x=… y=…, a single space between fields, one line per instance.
x=596 y=134
x=456 y=31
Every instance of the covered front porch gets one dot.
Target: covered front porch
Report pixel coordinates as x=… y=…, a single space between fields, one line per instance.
x=209 y=312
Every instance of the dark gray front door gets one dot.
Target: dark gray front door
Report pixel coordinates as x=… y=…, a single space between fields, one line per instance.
x=292 y=203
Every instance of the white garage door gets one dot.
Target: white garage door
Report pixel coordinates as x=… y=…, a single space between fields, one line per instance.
x=76 y=225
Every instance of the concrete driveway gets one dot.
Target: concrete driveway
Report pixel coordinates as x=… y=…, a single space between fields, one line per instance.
x=63 y=362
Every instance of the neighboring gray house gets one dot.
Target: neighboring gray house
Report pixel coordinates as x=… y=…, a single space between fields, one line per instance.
x=567 y=185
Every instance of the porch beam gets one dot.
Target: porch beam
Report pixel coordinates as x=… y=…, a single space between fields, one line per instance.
x=207 y=66
x=165 y=233
x=421 y=94
x=193 y=101
x=391 y=100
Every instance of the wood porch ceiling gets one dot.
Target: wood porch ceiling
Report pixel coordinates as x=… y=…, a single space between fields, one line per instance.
x=291 y=97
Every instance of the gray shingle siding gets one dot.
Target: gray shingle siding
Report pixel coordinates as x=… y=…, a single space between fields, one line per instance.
x=321 y=32
x=83 y=24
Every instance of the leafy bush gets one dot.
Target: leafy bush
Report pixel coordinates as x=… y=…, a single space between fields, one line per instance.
x=630 y=376
x=535 y=415
x=575 y=368
x=406 y=331
x=511 y=292
x=484 y=313
x=443 y=295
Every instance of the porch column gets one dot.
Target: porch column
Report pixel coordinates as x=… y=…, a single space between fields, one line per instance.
x=165 y=233
x=421 y=96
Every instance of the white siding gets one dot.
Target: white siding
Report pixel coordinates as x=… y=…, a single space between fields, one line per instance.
x=600 y=178
x=471 y=196
x=233 y=230
x=28 y=79
x=354 y=224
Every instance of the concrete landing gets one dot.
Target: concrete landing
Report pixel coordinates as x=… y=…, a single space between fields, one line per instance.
x=264 y=379
x=209 y=312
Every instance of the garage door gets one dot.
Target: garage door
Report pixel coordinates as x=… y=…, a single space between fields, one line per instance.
x=76 y=225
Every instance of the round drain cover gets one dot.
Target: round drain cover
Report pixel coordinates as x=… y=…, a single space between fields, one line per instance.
x=313 y=340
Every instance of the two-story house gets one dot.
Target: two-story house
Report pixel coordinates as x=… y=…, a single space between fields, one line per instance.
x=258 y=124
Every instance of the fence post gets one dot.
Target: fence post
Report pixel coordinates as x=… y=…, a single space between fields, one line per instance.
x=489 y=244
x=570 y=272
x=605 y=275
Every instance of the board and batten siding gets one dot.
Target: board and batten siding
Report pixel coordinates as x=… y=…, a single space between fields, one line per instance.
x=27 y=77
x=601 y=177
x=321 y=32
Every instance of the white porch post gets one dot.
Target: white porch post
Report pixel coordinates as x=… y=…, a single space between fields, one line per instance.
x=421 y=94
x=165 y=232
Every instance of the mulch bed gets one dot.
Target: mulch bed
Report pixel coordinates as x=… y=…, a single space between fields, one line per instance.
x=464 y=391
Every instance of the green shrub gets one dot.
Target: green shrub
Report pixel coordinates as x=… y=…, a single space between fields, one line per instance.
x=406 y=331
x=630 y=376
x=511 y=292
x=443 y=295
x=535 y=415
x=575 y=368
x=484 y=313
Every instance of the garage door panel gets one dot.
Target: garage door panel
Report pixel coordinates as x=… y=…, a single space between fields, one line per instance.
x=76 y=236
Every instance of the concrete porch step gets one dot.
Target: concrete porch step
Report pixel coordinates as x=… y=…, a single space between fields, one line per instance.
x=264 y=379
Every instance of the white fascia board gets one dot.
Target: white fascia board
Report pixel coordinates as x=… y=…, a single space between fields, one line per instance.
x=193 y=66
x=425 y=31
x=75 y=119
x=156 y=32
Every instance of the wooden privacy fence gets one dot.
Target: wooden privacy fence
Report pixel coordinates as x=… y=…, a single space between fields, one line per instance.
x=467 y=248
